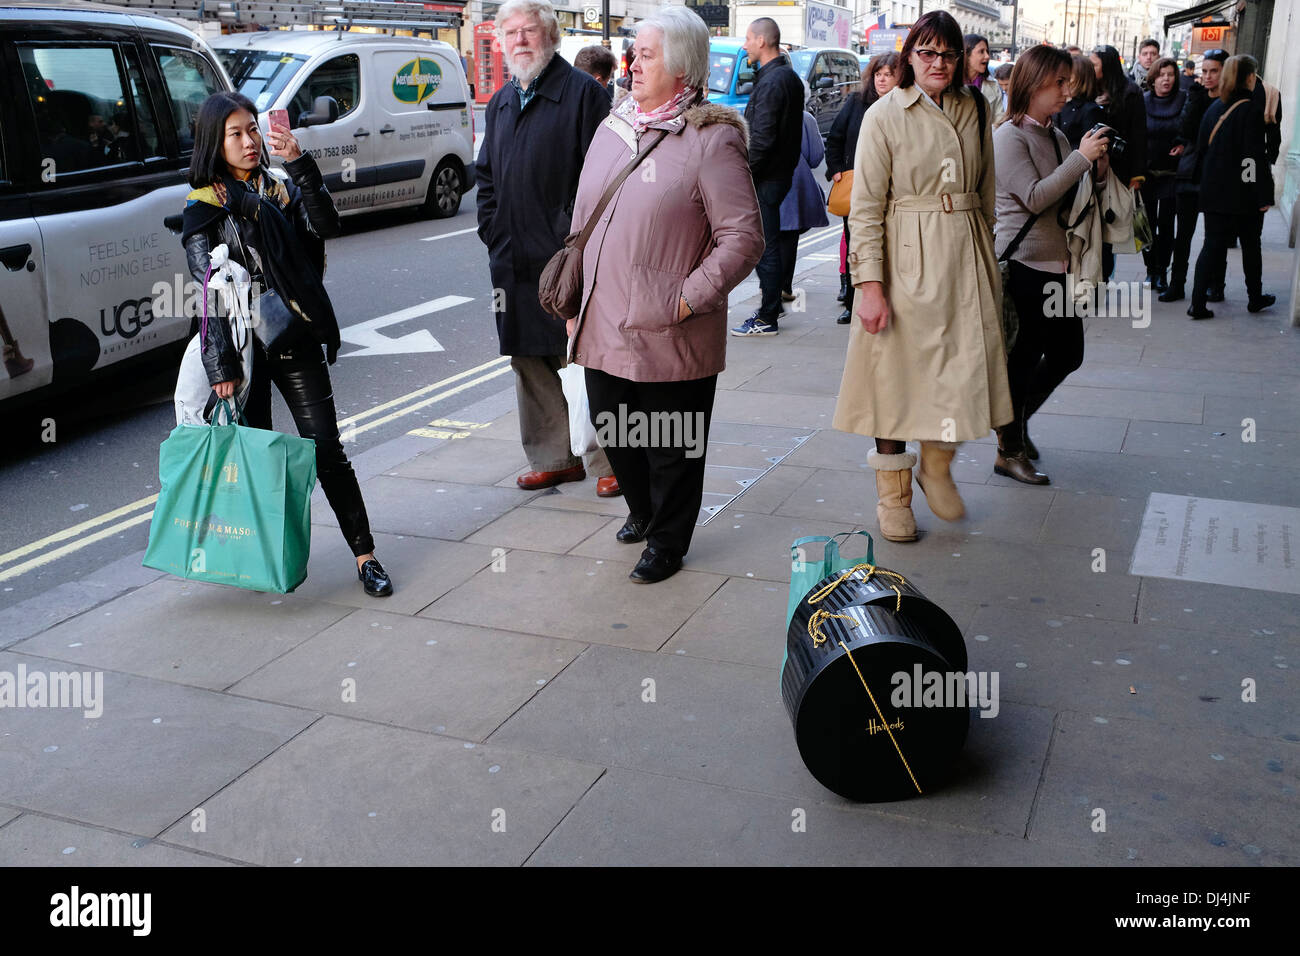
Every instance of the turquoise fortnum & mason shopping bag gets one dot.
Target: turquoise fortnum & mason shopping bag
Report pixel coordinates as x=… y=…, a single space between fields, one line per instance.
x=234 y=505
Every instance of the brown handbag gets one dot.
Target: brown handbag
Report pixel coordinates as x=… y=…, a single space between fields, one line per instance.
x=838 y=203
x=560 y=287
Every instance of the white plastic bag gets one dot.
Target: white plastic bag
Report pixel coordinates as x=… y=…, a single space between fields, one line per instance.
x=232 y=282
x=582 y=434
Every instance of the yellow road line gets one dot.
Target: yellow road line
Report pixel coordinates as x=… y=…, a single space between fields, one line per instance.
x=67 y=549
x=436 y=433
x=75 y=530
x=420 y=391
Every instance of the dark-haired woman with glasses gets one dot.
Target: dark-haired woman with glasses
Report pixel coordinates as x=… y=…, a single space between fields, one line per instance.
x=926 y=359
x=276 y=231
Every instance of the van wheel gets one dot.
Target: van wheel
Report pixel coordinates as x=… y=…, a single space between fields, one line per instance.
x=445 y=189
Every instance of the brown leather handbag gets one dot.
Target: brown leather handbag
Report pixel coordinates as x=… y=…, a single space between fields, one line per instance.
x=560 y=287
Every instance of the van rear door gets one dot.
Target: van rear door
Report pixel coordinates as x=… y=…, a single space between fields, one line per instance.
x=345 y=149
x=24 y=327
x=420 y=103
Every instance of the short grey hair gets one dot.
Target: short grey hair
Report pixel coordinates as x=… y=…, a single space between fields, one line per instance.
x=686 y=43
x=541 y=8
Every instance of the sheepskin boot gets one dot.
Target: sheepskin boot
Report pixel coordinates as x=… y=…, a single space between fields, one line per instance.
x=935 y=479
x=894 y=489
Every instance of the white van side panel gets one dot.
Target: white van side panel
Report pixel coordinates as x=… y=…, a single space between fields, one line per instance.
x=23 y=306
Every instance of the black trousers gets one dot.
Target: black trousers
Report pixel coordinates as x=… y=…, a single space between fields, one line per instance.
x=789 y=243
x=661 y=475
x=1048 y=347
x=770 y=195
x=303 y=379
x=1187 y=207
x=1212 y=263
x=1163 y=213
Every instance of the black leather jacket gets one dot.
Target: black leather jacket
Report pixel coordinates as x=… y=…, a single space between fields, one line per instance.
x=312 y=212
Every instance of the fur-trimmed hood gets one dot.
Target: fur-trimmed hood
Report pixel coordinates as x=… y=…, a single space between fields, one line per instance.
x=705 y=113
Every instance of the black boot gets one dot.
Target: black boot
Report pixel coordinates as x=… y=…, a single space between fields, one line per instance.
x=1159 y=283
x=1260 y=302
x=1176 y=289
x=846 y=316
x=844 y=287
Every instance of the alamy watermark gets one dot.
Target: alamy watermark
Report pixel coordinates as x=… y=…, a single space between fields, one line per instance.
x=921 y=688
x=1107 y=300
x=41 y=689
x=636 y=429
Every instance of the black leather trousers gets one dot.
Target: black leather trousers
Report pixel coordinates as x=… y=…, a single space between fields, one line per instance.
x=303 y=379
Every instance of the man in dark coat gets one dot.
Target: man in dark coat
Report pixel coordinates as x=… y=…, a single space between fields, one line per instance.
x=537 y=130
x=775 y=117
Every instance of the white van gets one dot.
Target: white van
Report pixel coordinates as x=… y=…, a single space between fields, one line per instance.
x=95 y=143
x=403 y=134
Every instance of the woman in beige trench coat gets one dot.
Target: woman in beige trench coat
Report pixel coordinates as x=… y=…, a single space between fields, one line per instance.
x=926 y=360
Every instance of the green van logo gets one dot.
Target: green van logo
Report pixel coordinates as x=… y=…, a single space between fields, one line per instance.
x=417 y=81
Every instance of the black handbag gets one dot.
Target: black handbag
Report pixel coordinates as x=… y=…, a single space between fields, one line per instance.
x=560 y=287
x=274 y=320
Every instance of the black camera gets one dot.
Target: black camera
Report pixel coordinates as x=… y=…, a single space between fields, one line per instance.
x=1117 y=143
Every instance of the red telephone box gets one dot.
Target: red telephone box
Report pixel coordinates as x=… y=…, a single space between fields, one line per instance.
x=489 y=66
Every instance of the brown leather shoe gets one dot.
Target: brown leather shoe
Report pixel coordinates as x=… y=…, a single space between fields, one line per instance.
x=532 y=480
x=1019 y=468
x=608 y=487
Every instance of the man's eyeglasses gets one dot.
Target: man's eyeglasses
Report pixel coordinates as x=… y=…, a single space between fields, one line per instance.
x=530 y=32
x=927 y=56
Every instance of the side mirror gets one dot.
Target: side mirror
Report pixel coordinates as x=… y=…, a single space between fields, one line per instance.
x=325 y=109
x=744 y=89
x=825 y=83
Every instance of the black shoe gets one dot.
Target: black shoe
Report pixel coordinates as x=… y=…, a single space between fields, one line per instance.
x=1203 y=314
x=1260 y=303
x=375 y=579
x=844 y=287
x=1214 y=295
x=1159 y=283
x=655 y=565
x=1174 y=293
x=632 y=531
x=844 y=318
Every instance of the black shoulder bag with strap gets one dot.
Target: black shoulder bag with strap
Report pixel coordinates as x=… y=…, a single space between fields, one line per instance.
x=560 y=287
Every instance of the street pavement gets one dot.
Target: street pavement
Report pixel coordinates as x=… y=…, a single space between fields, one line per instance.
x=495 y=709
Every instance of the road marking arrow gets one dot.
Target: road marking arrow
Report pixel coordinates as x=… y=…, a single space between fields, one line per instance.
x=367 y=335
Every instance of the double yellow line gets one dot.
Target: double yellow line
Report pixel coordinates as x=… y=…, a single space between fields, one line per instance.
x=85 y=534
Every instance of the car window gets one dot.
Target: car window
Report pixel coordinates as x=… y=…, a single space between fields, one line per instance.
x=189 y=80
x=339 y=78
x=87 y=117
x=720 y=69
x=849 y=71
x=261 y=75
x=801 y=60
x=822 y=68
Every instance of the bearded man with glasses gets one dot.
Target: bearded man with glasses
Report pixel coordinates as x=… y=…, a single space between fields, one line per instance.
x=537 y=130
x=926 y=359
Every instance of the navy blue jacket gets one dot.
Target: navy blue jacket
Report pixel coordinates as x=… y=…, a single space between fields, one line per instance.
x=1235 y=176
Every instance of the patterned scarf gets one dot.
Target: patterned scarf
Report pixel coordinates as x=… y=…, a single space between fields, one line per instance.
x=630 y=110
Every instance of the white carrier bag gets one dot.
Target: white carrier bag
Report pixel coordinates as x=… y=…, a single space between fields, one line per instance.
x=232 y=282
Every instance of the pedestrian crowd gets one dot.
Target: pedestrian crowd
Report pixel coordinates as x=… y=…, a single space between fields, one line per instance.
x=982 y=214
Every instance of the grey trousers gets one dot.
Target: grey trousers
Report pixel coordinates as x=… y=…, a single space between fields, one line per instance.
x=544 y=417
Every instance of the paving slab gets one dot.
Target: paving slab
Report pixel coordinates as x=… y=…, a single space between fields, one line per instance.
x=740 y=370
x=819 y=376
x=1079 y=519
x=426 y=675
x=1072 y=432
x=1217 y=608
x=187 y=632
x=474 y=460
x=769 y=492
x=578 y=496
x=623 y=819
x=742 y=622
x=1207 y=443
x=34 y=840
x=1008 y=513
x=1219 y=800
x=1190 y=681
x=422 y=569
x=1272 y=415
x=576 y=598
x=7 y=814
x=772 y=408
x=431 y=509
x=351 y=793
x=536 y=529
x=1153 y=379
x=154 y=754
x=596 y=711
x=1122 y=402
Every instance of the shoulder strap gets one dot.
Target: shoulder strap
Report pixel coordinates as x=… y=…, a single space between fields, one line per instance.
x=1029 y=223
x=981 y=107
x=1222 y=118
x=612 y=188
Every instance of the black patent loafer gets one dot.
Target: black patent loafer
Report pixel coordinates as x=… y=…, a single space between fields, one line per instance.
x=1261 y=303
x=655 y=565
x=375 y=579
x=633 y=530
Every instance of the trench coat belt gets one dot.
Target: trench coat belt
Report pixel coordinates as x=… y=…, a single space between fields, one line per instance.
x=944 y=202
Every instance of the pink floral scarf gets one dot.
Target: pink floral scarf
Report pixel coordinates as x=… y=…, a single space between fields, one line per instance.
x=630 y=110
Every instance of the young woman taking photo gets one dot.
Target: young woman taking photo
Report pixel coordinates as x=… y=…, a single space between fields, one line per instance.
x=277 y=232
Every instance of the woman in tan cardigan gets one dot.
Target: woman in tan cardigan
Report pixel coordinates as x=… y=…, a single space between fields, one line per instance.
x=926 y=359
